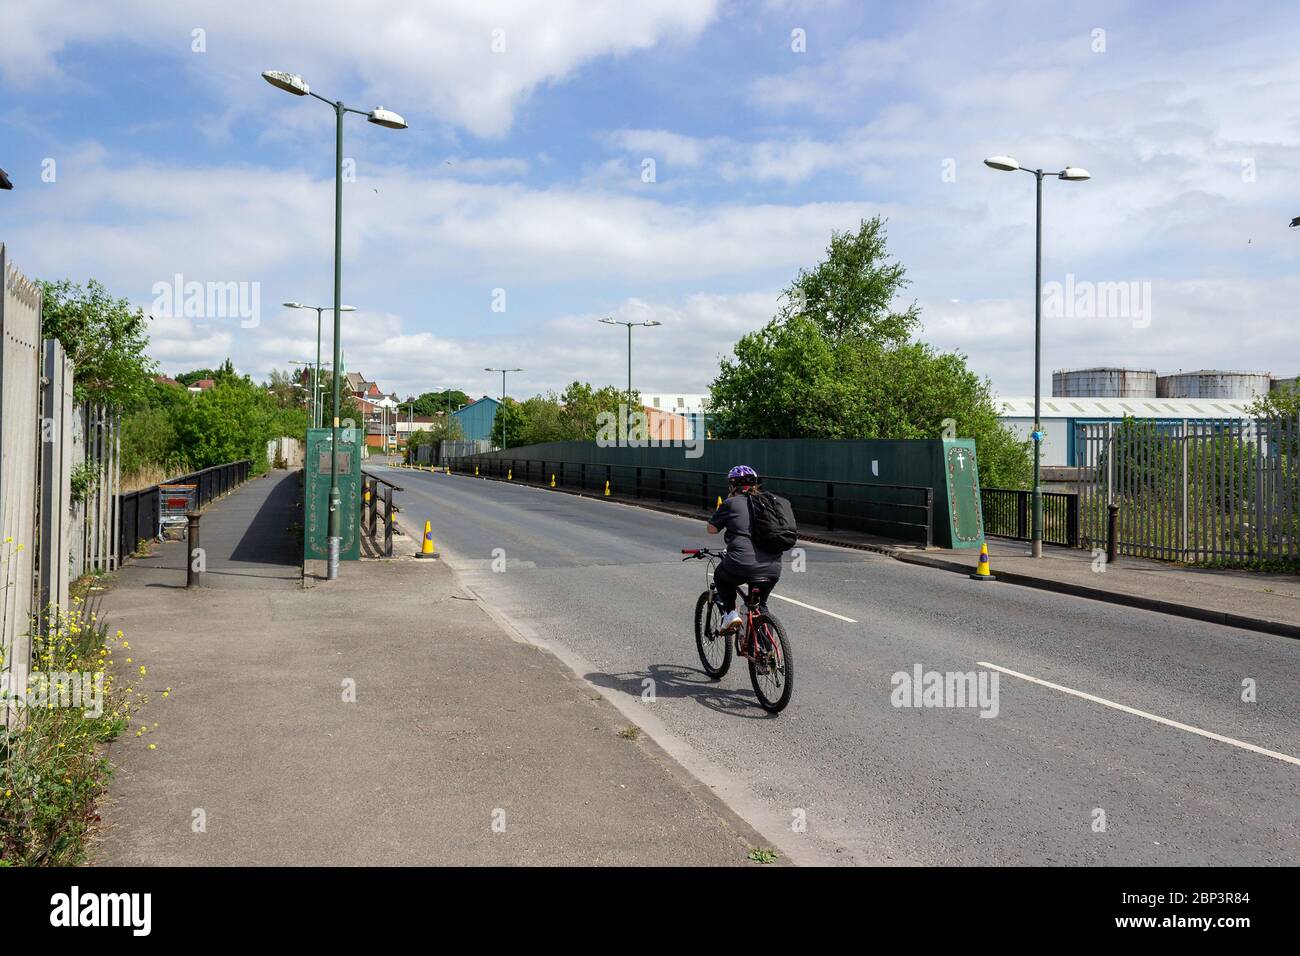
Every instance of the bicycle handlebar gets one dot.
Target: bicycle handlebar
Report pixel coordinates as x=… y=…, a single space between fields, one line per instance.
x=701 y=553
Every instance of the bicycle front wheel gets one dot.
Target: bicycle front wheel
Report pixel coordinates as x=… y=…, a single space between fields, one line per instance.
x=714 y=648
x=772 y=673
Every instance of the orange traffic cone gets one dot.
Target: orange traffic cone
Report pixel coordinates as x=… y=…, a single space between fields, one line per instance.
x=982 y=571
x=427 y=549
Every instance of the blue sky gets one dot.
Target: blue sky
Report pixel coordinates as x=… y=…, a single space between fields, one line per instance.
x=523 y=171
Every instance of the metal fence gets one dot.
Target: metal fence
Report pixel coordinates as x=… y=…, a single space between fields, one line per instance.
x=1192 y=490
x=141 y=511
x=1007 y=514
x=901 y=512
x=20 y=375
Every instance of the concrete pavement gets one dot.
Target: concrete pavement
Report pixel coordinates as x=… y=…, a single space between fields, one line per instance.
x=460 y=745
x=248 y=538
x=1103 y=708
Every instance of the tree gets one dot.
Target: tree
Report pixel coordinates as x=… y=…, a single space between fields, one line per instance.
x=225 y=371
x=104 y=338
x=571 y=416
x=431 y=403
x=1279 y=403
x=839 y=362
x=508 y=424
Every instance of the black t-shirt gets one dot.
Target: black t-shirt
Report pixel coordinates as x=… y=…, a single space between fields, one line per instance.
x=732 y=518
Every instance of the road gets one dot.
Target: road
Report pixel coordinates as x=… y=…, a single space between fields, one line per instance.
x=1186 y=774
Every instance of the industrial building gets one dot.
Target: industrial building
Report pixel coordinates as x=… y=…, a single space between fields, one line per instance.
x=1060 y=416
x=477 y=418
x=1111 y=394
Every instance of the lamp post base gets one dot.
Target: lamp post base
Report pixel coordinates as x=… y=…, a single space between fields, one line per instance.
x=332 y=572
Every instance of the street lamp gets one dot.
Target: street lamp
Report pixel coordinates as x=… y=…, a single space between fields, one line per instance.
x=295 y=84
x=1072 y=174
x=503 y=398
x=5 y=181
x=316 y=385
x=316 y=420
x=649 y=325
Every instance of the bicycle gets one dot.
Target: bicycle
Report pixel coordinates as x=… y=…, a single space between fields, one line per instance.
x=761 y=640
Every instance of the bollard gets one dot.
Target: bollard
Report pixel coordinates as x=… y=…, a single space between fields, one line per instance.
x=193 y=576
x=374 y=513
x=1112 y=533
x=388 y=522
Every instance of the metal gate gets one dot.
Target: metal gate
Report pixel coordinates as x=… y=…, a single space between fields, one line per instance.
x=1192 y=490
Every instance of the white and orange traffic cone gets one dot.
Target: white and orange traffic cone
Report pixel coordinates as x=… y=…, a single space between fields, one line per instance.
x=982 y=570
x=427 y=549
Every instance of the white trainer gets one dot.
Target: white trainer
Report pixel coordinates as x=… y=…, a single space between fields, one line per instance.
x=730 y=623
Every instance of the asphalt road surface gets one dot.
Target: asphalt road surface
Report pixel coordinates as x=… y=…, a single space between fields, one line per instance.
x=1115 y=736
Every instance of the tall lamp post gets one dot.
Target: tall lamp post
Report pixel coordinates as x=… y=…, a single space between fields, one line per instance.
x=292 y=83
x=315 y=389
x=1072 y=174
x=503 y=398
x=316 y=418
x=649 y=325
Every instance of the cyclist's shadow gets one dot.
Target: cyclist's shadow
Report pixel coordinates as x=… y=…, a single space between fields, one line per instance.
x=675 y=681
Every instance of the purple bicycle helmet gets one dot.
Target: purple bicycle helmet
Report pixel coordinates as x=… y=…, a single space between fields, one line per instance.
x=743 y=474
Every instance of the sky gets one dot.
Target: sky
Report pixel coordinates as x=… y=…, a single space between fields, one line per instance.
x=675 y=160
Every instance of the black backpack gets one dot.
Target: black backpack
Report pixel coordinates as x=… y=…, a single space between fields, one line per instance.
x=771 y=522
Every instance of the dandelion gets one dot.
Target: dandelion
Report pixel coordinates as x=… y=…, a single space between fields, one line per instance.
x=142 y=670
x=153 y=746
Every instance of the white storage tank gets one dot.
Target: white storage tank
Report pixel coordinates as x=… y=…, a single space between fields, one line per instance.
x=1212 y=383
x=1104 y=382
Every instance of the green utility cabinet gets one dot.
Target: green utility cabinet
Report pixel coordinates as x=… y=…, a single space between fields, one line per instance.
x=965 y=514
x=316 y=494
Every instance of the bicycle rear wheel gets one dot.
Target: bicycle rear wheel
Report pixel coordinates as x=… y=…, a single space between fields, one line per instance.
x=714 y=648
x=773 y=673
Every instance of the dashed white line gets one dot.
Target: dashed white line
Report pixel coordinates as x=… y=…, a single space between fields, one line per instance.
x=840 y=617
x=1142 y=713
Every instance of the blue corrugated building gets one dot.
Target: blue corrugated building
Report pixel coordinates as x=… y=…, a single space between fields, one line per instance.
x=477 y=418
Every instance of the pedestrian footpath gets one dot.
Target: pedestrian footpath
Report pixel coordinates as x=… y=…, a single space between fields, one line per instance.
x=383 y=718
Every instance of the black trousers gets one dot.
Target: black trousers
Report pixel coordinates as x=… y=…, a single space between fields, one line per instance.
x=728 y=579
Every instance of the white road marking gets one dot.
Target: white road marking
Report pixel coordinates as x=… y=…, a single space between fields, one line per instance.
x=1141 y=713
x=840 y=617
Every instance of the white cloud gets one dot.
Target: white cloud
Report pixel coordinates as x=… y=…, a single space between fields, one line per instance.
x=430 y=56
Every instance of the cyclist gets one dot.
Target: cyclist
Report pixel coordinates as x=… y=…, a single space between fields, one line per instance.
x=744 y=562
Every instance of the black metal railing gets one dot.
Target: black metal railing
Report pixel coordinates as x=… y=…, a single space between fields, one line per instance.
x=370 y=483
x=141 y=510
x=901 y=512
x=1007 y=514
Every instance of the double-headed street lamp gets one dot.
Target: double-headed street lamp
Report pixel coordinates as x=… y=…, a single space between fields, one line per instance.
x=1072 y=174
x=649 y=325
x=316 y=387
x=502 y=412
x=315 y=417
x=292 y=83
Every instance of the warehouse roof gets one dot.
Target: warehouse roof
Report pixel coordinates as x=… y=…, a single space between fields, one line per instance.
x=1066 y=407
